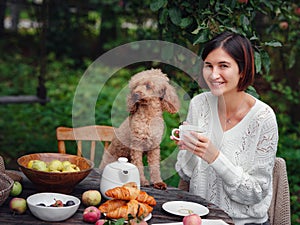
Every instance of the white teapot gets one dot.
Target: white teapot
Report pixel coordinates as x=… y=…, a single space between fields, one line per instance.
x=118 y=173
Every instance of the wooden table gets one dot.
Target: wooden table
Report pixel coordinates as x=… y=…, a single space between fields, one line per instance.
x=92 y=182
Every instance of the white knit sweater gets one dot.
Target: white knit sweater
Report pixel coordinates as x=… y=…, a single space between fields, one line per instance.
x=240 y=180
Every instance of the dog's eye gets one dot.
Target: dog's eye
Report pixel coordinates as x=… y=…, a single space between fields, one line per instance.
x=148 y=86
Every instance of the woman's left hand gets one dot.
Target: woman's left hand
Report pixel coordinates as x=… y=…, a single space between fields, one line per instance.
x=200 y=146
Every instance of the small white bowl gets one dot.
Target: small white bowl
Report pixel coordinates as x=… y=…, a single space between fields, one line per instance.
x=54 y=214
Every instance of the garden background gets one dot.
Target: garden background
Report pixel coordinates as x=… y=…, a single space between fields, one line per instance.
x=47 y=45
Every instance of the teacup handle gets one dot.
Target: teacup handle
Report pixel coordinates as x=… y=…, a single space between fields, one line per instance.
x=173 y=134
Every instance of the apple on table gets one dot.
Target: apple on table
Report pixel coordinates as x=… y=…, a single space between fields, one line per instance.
x=16 y=189
x=91 y=198
x=91 y=214
x=192 y=219
x=18 y=205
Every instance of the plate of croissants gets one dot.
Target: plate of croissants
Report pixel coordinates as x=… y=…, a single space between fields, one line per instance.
x=128 y=200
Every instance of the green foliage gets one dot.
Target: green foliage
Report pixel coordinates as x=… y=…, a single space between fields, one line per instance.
x=194 y=23
x=31 y=127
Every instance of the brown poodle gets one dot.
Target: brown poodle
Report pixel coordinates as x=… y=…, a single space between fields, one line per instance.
x=141 y=133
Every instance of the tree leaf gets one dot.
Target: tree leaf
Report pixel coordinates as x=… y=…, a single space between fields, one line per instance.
x=157 y=5
x=257 y=59
x=252 y=91
x=265 y=59
x=291 y=59
x=244 y=20
x=186 y=22
x=273 y=43
x=201 y=37
x=175 y=16
x=163 y=16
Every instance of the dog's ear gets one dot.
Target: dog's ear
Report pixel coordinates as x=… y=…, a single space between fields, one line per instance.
x=131 y=104
x=170 y=101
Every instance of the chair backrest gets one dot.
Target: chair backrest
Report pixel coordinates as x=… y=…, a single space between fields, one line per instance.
x=92 y=133
x=279 y=211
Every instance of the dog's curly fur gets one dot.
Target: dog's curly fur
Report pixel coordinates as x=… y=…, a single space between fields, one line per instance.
x=141 y=133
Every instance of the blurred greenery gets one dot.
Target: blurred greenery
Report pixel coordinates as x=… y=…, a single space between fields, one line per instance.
x=78 y=32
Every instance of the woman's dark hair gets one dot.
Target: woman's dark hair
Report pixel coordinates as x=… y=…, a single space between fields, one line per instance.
x=240 y=49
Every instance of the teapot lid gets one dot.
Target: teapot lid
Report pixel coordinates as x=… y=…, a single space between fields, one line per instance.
x=122 y=163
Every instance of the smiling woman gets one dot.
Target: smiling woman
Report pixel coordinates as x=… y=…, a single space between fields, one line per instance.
x=232 y=163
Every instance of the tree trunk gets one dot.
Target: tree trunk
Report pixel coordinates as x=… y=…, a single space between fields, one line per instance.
x=108 y=28
x=2 y=16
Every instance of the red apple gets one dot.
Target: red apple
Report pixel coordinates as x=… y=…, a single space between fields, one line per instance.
x=243 y=1
x=57 y=203
x=138 y=222
x=192 y=219
x=91 y=214
x=100 y=222
x=18 y=205
x=297 y=11
x=283 y=25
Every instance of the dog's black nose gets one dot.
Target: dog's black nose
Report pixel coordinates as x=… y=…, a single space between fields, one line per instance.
x=136 y=96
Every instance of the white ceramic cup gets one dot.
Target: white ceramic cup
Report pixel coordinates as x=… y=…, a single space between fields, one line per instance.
x=183 y=129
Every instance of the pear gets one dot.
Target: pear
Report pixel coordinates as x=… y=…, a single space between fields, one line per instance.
x=65 y=163
x=29 y=165
x=76 y=168
x=40 y=166
x=71 y=168
x=55 y=165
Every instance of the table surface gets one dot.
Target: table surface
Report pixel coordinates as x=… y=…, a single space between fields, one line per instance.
x=92 y=182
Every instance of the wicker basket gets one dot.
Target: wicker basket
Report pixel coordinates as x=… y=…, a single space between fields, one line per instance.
x=13 y=175
x=6 y=184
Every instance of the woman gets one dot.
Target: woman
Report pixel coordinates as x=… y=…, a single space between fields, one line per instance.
x=231 y=164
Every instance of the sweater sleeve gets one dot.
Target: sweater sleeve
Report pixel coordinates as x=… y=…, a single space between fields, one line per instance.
x=250 y=186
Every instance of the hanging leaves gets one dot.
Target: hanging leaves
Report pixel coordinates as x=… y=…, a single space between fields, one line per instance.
x=158 y=4
x=188 y=22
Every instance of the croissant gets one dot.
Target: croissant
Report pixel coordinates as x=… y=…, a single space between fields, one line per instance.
x=129 y=191
x=111 y=205
x=145 y=198
x=130 y=184
x=133 y=207
x=123 y=193
x=144 y=209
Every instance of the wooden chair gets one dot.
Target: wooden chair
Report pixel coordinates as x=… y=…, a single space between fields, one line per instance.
x=87 y=133
x=279 y=211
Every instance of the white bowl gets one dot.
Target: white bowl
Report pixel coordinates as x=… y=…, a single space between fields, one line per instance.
x=54 y=214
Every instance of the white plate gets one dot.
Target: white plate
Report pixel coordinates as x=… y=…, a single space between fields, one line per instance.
x=183 y=208
x=146 y=218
